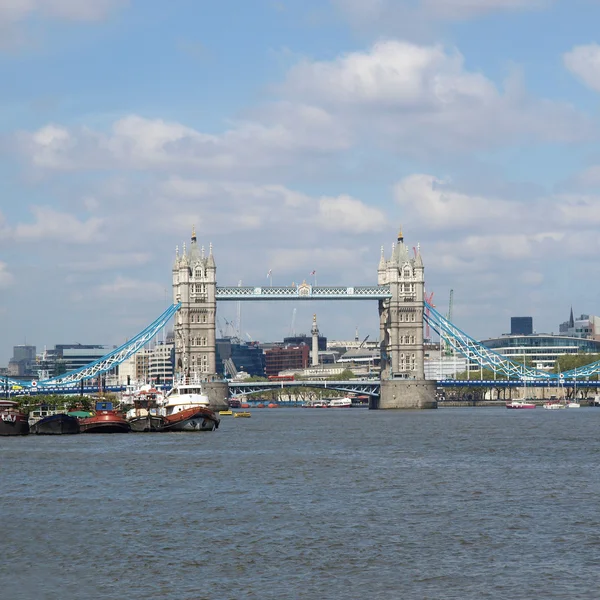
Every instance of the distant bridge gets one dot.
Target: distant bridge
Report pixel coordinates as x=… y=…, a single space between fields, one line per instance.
x=356 y=386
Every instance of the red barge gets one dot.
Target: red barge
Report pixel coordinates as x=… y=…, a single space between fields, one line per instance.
x=106 y=420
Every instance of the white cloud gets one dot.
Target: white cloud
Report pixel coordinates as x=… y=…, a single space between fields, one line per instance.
x=349 y=214
x=248 y=206
x=76 y=10
x=53 y=225
x=135 y=142
x=476 y=233
x=110 y=261
x=584 y=63
x=6 y=277
x=416 y=100
x=421 y=99
x=130 y=288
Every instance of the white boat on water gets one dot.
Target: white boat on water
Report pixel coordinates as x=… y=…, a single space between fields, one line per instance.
x=340 y=403
x=518 y=404
x=554 y=405
x=187 y=408
x=573 y=405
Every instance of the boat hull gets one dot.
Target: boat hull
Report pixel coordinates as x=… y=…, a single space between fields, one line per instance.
x=105 y=424
x=520 y=405
x=147 y=423
x=192 y=419
x=13 y=424
x=56 y=425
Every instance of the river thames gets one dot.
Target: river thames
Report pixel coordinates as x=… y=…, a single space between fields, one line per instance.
x=462 y=503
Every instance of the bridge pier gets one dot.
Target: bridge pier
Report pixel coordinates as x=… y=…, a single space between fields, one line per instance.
x=405 y=393
x=218 y=394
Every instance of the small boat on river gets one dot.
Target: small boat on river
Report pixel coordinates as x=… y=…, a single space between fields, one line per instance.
x=145 y=414
x=240 y=413
x=12 y=420
x=105 y=420
x=518 y=404
x=340 y=403
x=188 y=409
x=46 y=420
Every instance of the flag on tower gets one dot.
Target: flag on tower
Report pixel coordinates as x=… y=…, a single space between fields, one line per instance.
x=313 y=272
x=269 y=273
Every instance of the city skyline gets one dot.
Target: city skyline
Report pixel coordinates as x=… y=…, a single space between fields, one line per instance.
x=297 y=137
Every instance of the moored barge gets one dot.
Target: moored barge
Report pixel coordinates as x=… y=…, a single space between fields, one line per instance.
x=105 y=420
x=12 y=420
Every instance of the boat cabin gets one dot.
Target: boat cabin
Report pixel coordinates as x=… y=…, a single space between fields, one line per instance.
x=108 y=406
x=185 y=389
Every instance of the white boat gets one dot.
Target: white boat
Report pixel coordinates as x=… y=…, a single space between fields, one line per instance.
x=186 y=408
x=573 y=405
x=554 y=405
x=517 y=404
x=340 y=403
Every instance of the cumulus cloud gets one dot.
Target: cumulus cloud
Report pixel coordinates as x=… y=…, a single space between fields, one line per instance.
x=130 y=288
x=53 y=225
x=421 y=99
x=6 y=277
x=135 y=142
x=249 y=206
x=479 y=232
x=584 y=63
x=417 y=100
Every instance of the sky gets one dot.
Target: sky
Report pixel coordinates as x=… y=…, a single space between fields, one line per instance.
x=296 y=135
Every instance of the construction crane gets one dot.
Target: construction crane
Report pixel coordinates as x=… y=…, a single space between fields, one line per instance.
x=448 y=349
x=363 y=342
x=293 y=327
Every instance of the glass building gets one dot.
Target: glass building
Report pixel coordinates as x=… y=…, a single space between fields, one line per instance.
x=541 y=350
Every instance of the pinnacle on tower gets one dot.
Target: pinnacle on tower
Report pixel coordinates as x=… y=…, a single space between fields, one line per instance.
x=193 y=233
x=400 y=236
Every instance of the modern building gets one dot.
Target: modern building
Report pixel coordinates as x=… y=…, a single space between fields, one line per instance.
x=540 y=350
x=586 y=326
x=64 y=358
x=161 y=363
x=284 y=358
x=299 y=340
x=23 y=361
x=248 y=357
x=521 y=325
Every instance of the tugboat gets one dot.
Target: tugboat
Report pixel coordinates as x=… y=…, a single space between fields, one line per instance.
x=188 y=409
x=105 y=420
x=144 y=415
x=12 y=420
x=46 y=420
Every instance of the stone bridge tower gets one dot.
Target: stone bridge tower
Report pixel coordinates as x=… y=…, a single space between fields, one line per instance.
x=403 y=382
x=195 y=286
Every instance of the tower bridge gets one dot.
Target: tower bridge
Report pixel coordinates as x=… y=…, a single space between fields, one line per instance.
x=399 y=293
x=403 y=310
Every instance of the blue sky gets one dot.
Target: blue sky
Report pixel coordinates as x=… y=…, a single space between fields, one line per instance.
x=296 y=135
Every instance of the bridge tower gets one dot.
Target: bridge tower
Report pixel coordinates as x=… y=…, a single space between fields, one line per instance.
x=403 y=383
x=195 y=286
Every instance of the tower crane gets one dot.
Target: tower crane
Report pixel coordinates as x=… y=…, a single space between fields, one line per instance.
x=447 y=349
x=293 y=327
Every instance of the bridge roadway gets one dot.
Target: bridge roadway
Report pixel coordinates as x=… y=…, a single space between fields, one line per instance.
x=363 y=387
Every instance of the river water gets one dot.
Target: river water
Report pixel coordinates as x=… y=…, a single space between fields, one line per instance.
x=311 y=504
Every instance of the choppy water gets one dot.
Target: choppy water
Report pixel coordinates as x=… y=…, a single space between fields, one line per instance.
x=312 y=504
